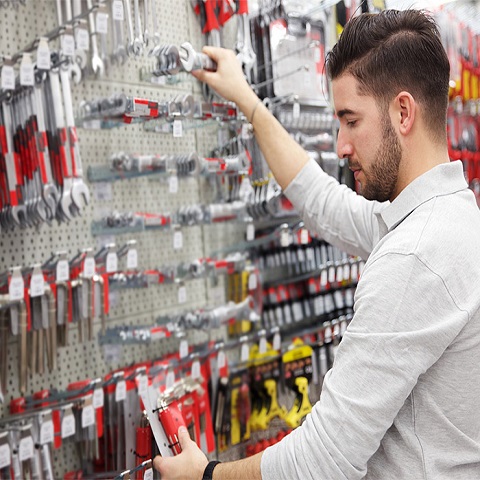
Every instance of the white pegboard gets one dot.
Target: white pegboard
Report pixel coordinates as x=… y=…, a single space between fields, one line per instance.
x=155 y=248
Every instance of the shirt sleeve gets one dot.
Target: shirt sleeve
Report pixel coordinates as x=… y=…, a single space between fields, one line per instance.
x=404 y=320
x=334 y=211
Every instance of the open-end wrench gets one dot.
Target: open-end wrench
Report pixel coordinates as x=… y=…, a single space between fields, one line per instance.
x=245 y=53
x=131 y=35
x=193 y=60
x=80 y=54
x=138 y=41
x=97 y=63
x=156 y=33
x=119 y=51
x=75 y=71
x=80 y=193
x=146 y=34
x=67 y=208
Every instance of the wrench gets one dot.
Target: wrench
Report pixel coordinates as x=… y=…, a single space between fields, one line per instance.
x=146 y=34
x=156 y=34
x=119 y=52
x=80 y=55
x=192 y=60
x=80 y=193
x=138 y=43
x=131 y=36
x=245 y=52
x=97 y=63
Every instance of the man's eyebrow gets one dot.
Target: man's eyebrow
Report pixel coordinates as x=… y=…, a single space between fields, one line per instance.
x=345 y=111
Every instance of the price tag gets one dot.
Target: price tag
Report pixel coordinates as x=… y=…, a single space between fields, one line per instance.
x=262 y=345
x=284 y=238
x=5 y=456
x=117 y=10
x=303 y=236
x=244 y=352
x=177 y=240
x=43 y=55
x=246 y=131
x=46 y=432
x=82 y=38
x=142 y=385
x=132 y=259
x=89 y=267
x=354 y=272
x=297 y=311
x=170 y=380
x=183 y=348
x=102 y=23
x=252 y=281
x=296 y=111
x=27 y=77
x=68 y=45
x=148 y=475
x=16 y=287
x=37 y=285
x=182 y=294
x=98 y=399
x=221 y=360
x=331 y=274
x=250 y=232
x=88 y=416
x=277 y=341
x=63 y=271
x=346 y=272
x=68 y=426
x=121 y=391
x=26 y=448
x=339 y=274
x=177 y=129
x=195 y=373
x=102 y=191
x=8 y=78
x=111 y=262
x=173 y=184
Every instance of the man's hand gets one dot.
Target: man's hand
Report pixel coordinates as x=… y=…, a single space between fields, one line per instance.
x=229 y=80
x=188 y=465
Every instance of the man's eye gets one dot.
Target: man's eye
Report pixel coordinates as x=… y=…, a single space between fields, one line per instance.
x=351 y=123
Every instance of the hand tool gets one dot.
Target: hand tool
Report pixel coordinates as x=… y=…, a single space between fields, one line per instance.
x=131 y=35
x=192 y=60
x=243 y=46
x=118 y=43
x=80 y=54
x=138 y=42
x=97 y=63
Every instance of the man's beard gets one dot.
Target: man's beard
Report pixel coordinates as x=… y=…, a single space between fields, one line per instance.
x=382 y=176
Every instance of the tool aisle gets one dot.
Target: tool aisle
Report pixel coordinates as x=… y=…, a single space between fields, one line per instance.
x=152 y=272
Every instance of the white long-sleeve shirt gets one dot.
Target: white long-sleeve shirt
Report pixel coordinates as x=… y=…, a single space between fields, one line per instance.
x=402 y=400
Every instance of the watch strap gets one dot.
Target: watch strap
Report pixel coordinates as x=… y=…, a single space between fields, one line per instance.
x=208 y=472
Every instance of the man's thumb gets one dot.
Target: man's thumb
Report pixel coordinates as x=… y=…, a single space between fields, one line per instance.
x=183 y=437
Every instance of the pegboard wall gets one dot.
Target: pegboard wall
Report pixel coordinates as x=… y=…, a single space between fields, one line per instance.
x=177 y=23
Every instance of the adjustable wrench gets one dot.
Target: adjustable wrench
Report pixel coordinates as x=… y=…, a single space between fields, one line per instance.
x=97 y=63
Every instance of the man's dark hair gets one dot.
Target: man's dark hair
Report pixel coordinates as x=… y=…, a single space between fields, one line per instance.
x=392 y=51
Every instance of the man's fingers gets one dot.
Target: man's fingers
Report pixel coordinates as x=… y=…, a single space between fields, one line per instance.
x=157 y=461
x=183 y=437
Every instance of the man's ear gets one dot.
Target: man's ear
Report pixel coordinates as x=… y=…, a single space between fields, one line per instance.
x=405 y=110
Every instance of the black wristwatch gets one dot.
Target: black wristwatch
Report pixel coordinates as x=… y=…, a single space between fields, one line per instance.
x=208 y=472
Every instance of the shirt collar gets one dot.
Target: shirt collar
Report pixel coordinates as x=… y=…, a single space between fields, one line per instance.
x=443 y=179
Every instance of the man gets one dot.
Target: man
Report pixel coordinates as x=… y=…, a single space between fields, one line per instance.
x=402 y=397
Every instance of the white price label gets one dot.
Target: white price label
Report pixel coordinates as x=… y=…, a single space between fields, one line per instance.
x=246 y=131
x=27 y=77
x=170 y=380
x=252 y=281
x=102 y=23
x=182 y=294
x=132 y=259
x=8 y=78
x=183 y=348
x=117 y=10
x=177 y=129
x=68 y=426
x=244 y=352
x=172 y=184
x=5 y=456
x=43 y=56
x=250 y=232
x=277 y=341
x=221 y=359
x=102 y=191
x=16 y=288
x=284 y=238
x=346 y=272
x=88 y=416
x=142 y=385
x=111 y=263
x=296 y=111
x=26 y=448
x=37 y=285
x=262 y=345
x=331 y=275
x=297 y=311
x=177 y=240
x=98 y=399
x=63 y=271
x=46 y=432
x=82 y=38
x=148 y=475
x=195 y=369
x=68 y=45
x=89 y=267
x=121 y=391
x=303 y=236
